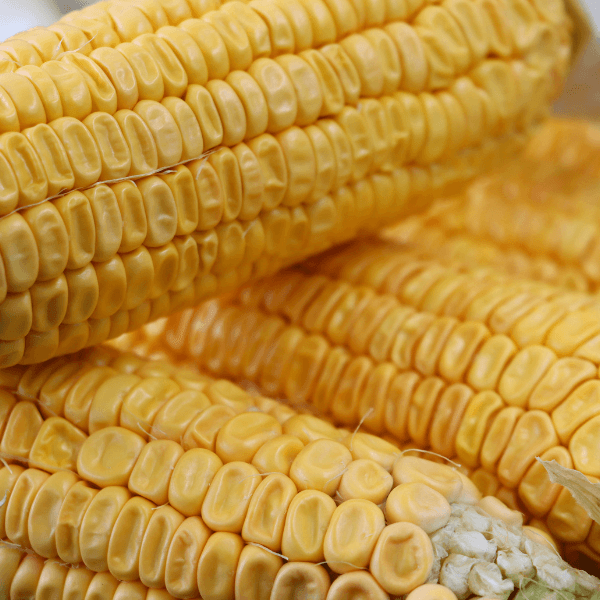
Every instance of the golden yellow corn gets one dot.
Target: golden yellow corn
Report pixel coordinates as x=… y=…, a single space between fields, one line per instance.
x=142 y=480
x=153 y=154
x=535 y=219
x=434 y=238
x=492 y=369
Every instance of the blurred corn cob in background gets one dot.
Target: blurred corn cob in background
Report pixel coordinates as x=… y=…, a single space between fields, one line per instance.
x=436 y=349
x=127 y=478
x=537 y=218
x=153 y=154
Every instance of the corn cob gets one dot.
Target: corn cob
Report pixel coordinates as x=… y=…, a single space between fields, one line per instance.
x=164 y=75
x=258 y=485
x=496 y=371
x=185 y=181
x=260 y=574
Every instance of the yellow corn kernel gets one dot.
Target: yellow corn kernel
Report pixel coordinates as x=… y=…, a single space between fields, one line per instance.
x=413 y=545
x=185 y=550
x=441 y=478
x=241 y=437
x=22 y=497
x=256 y=561
x=53 y=578
x=203 y=430
x=211 y=45
x=326 y=477
x=157 y=459
x=124 y=444
x=277 y=454
x=27 y=576
x=417 y=503
x=266 y=527
x=217 y=565
x=352 y=534
x=226 y=503
x=191 y=478
x=365 y=479
x=298 y=542
x=294 y=575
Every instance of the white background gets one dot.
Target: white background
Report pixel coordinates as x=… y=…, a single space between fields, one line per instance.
x=17 y=15
x=593 y=8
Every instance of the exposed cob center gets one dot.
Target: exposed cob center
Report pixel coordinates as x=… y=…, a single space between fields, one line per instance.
x=217 y=498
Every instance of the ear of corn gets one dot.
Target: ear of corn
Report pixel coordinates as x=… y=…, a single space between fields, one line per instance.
x=153 y=154
x=472 y=364
x=174 y=505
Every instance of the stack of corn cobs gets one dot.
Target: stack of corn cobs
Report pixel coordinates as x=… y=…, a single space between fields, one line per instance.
x=361 y=426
